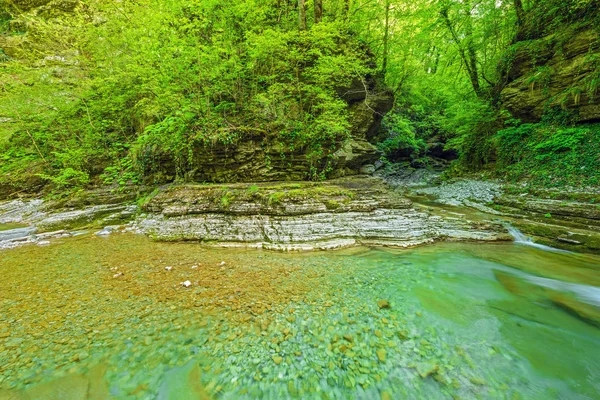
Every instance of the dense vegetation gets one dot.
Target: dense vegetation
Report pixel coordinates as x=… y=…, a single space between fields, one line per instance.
x=103 y=92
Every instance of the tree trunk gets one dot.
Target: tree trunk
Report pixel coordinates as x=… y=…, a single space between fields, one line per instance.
x=318 y=11
x=472 y=56
x=386 y=37
x=467 y=55
x=301 y=15
x=520 y=11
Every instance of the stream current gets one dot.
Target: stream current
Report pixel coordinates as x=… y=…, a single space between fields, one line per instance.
x=93 y=317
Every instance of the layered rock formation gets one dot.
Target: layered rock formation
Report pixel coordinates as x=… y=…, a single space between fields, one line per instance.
x=564 y=219
x=302 y=217
x=569 y=225
x=558 y=70
x=260 y=157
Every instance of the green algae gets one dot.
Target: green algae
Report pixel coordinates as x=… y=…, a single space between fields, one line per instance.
x=273 y=325
x=6 y=227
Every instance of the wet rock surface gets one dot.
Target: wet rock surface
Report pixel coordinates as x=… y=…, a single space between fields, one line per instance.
x=41 y=222
x=303 y=217
x=566 y=219
x=464 y=191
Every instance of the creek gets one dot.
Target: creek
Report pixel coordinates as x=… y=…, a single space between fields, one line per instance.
x=103 y=317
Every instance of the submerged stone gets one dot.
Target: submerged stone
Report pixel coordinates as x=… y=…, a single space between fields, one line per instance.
x=427 y=368
x=383 y=304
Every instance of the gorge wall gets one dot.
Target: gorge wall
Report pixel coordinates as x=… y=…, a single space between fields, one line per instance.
x=560 y=70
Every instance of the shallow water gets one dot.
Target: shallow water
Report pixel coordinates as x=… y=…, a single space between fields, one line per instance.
x=465 y=320
x=6 y=227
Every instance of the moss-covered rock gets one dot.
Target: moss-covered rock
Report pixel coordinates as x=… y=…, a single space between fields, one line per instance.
x=557 y=70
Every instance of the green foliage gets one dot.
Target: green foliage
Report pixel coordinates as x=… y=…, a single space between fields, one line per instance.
x=68 y=178
x=550 y=155
x=473 y=123
x=118 y=93
x=143 y=200
x=126 y=95
x=510 y=143
x=565 y=139
x=401 y=141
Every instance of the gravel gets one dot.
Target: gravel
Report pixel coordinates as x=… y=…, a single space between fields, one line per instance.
x=464 y=192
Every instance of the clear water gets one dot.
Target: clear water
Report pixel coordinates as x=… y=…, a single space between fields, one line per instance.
x=7 y=227
x=466 y=321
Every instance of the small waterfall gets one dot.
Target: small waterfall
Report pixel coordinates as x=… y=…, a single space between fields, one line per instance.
x=518 y=235
x=520 y=238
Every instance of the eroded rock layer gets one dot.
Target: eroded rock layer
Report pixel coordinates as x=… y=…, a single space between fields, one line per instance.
x=302 y=217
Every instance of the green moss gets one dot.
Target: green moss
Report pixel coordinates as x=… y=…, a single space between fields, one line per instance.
x=142 y=201
x=547 y=155
x=332 y=204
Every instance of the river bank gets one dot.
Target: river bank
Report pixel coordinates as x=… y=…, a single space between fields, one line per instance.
x=279 y=216
x=317 y=216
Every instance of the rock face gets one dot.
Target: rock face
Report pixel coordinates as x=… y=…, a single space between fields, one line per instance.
x=558 y=70
x=564 y=219
x=263 y=157
x=335 y=214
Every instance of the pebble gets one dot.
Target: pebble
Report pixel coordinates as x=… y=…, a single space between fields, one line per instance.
x=383 y=304
x=426 y=368
x=277 y=360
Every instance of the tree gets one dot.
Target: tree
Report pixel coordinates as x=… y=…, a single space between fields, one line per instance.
x=520 y=13
x=318 y=5
x=386 y=37
x=301 y=15
x=464 y=43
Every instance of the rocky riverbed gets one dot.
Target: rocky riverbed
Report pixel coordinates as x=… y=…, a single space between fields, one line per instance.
x=292 y=216
x=106 y=313
x=279 y=216
x=312 y=216
x=568 y=218
x=95 y=317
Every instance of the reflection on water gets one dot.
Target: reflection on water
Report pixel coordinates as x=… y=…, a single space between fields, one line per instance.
x=93 y=317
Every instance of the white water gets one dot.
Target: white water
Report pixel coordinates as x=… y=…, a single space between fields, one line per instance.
x=585 y=293
x=520 y=238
